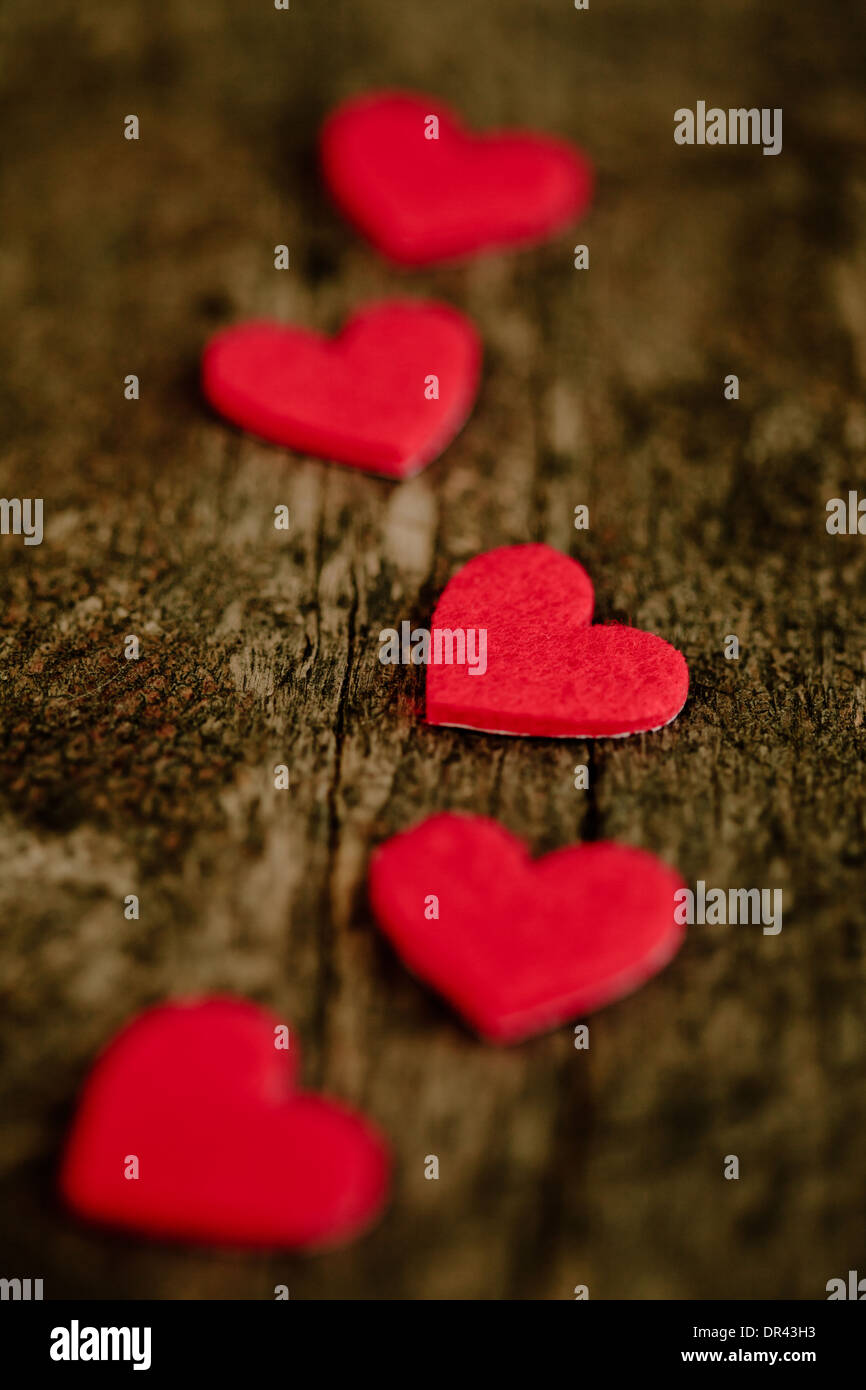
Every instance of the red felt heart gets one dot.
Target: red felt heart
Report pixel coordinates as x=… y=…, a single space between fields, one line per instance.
x=518 y=947
x=386 y=395
x=421 y=200
x=227 y=1152
x=547 y=671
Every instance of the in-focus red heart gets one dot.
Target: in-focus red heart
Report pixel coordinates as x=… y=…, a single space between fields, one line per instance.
x=547 y=671
x=227 y=1152
x=421 y=199
x=387 y=395
x=520 y=946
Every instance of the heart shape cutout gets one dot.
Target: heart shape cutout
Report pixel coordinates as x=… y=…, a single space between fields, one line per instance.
x=364 y=398
x=227 y=1152
x=521 y=946
x=422 y=200
x=548 y=672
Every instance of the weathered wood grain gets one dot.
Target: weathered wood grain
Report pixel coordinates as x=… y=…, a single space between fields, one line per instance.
x=604 y=387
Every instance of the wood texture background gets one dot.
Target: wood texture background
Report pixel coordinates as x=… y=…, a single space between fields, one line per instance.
x=558 y=1167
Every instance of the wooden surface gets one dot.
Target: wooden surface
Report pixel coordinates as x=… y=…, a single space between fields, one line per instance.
x=604 y=387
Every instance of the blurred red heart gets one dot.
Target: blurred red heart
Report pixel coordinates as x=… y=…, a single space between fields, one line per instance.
x=227 y=1153
x=548 y=672
x=519 y=947
x=422 y=199
x=386 y=395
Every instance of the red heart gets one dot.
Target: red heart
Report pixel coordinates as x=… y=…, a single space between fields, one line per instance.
x=421 y=200
x=519 y=947
x=548 y=672
x=365 y=397
x=227 y=1153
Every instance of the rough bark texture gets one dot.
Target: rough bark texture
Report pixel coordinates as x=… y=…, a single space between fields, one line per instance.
x=558 y=1167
